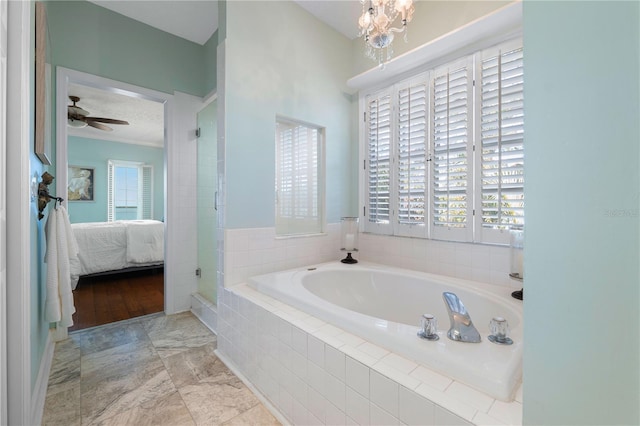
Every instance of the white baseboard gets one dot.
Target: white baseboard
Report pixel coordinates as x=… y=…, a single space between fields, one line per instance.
x=205 y=311
x=39 y=393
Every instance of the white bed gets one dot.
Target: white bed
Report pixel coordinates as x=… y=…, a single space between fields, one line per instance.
x=114 y=246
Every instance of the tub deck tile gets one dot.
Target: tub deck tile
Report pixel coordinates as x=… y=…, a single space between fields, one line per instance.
x=358 y=355
x=402 y=378
x=471 y=396
x=399 y=363
x=372 y=350
x=431 y=378
x=350 y=339
x=446 y=401
x=483 y=419
x=508 y=412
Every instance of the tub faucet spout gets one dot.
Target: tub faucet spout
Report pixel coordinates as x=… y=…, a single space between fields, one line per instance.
x=462 y=328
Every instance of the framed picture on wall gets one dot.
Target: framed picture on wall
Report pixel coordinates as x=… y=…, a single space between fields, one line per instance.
x=80 y=183
x=42 y=134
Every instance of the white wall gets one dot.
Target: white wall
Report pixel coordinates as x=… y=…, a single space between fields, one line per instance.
x=582 y=251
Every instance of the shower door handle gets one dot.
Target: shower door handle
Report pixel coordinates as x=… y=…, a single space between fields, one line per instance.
x=215 y=201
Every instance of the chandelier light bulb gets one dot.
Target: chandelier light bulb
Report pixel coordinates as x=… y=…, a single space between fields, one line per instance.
x=365 y=21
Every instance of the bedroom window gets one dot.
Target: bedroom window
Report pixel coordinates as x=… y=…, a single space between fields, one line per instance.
x=130 y=190
x=444 y=150
x=299 y=178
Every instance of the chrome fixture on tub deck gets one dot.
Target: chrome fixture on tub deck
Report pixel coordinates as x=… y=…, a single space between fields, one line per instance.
x=462 y=328
x=428 y=327
x=499 y=327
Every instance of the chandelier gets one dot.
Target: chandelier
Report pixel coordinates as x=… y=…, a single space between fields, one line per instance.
x=376 y=22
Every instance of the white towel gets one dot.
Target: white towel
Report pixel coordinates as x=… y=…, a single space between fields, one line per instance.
x=61 y=247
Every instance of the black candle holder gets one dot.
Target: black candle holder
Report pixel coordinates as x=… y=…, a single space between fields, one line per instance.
x=349 y=260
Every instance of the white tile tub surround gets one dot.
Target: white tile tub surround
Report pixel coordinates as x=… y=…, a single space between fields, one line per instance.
x=205 y=311
x=255 y=251
x=476 y=262
x=337 y=378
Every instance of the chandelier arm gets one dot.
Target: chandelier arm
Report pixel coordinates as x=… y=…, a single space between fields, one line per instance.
x=397 y=30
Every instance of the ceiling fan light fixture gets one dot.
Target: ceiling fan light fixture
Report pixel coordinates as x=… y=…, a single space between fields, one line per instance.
x=78 y=124
x=79 y=118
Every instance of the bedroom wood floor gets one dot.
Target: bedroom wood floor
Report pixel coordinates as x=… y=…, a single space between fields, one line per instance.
x=110 y=298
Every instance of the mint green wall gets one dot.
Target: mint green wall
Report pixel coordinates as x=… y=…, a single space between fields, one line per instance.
x=282 y=60
x=582 y=251
x=95 y=153
x=210 y=63
x=38 y=274
x=95 y=40
x=431 y=20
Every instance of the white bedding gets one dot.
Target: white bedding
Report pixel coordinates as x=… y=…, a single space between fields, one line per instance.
x=111 y=246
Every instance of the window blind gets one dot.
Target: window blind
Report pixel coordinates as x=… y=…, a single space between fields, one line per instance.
x=111 y=212
x=452 y=149
x=502 y=138
x=379 y=158
x=298 y=197
x=146 y=191
x=412 y=144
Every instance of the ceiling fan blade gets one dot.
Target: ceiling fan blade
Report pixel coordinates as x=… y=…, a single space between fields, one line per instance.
x=105 y=120
x=99 y=126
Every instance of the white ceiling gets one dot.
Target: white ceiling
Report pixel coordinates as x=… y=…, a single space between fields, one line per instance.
x=197 y=20
x=146 y=118
x=194 y=20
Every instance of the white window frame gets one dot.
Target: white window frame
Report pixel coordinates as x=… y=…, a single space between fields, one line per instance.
x=488 y=235
x=143 y=169
x=311 y=224
x=473 y=232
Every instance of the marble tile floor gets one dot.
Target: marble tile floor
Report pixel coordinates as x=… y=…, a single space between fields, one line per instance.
x=153 y=370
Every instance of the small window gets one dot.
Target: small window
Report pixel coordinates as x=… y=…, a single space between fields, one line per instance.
x=299 y=178
x=130 y=191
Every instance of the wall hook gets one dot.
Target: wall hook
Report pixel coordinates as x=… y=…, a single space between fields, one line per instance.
x=43 y=194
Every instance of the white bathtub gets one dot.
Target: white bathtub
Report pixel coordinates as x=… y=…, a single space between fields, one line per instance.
x=383 y=305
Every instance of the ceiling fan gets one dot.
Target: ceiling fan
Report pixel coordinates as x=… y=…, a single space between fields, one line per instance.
x=78 y=117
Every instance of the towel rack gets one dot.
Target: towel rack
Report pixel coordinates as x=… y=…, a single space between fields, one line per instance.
x=43 y=194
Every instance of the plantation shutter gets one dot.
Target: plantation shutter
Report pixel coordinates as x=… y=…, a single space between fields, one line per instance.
x=145 y=210
x=111 y=212
x=452 y=124
x=298 y=202
x=378 y=162
x=502 y=131
x=411 y=168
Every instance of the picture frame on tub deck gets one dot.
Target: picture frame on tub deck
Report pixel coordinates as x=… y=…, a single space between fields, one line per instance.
x=80 y=183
